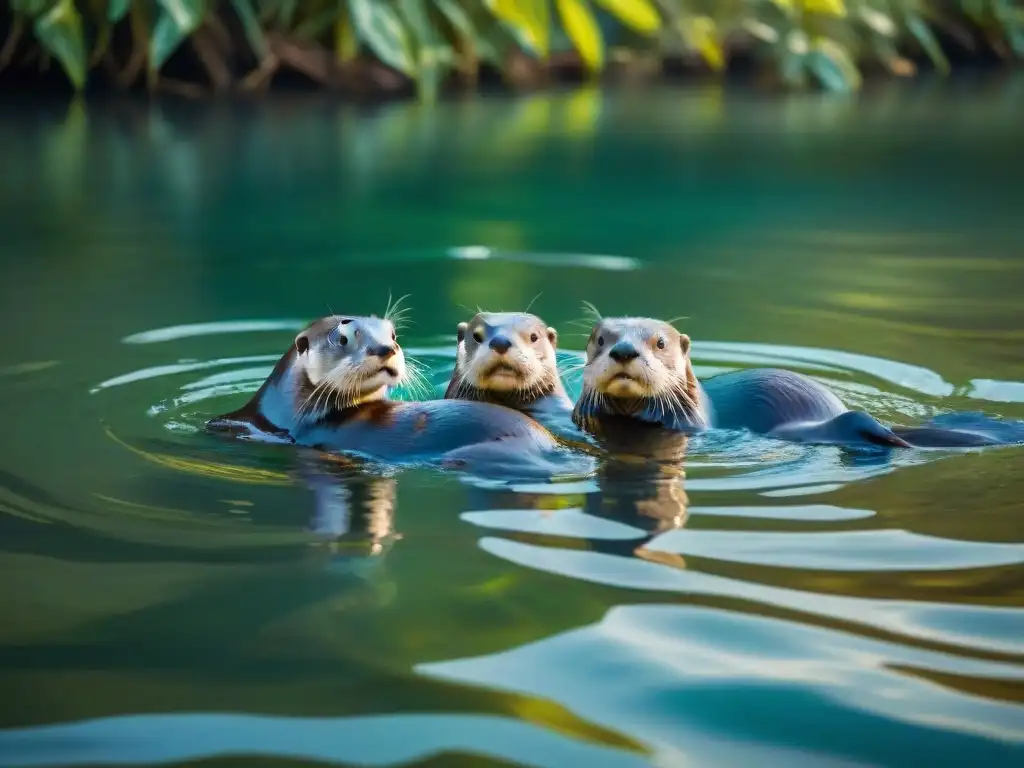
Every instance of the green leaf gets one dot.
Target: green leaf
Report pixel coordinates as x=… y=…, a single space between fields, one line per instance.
x=1012 y=20
x=30 y=8
x=313 y=27
x=429 y=52
x=793 y=51
x=346 y=46
x=833 y=65
x=581 y=27
x=187 y=14
x=286 y=13
x=640 y=15
x=116 y=9
x=492 y=38
x=166 y=38
x=924 y=36
x=251 y=27
x=457 y=17
x=703 y=35
x=177 y=21
x=471 y=45
x=520 y=22
x=60 y=33
x=380 y=27
x=825 y=7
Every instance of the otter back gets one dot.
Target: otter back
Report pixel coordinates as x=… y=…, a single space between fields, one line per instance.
x=402 y=431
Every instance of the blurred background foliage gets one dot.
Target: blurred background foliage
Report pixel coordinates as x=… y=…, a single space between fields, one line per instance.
x=382 y=45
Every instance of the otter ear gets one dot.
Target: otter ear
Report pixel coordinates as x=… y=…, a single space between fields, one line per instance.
x=302 y=344
x=460 y=330
x=552 y=336
x=684 y=343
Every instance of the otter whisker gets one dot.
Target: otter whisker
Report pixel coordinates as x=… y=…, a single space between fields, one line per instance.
x=392 y=311
x=417 y=382
x=589 y=310
x=531 y=301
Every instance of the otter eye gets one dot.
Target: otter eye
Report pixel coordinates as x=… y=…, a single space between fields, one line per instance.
x=478 y=336
x=346 y=321
x=335 y=338
x=393 y=335
x=661 y=343
x=534 y=337
x=600 y=341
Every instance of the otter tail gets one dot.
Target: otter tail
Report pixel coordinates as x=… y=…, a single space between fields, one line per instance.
x=963 y=430
x=954 y=430
x=853 y=428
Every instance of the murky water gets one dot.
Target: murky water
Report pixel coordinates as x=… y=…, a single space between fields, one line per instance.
x=169 y=598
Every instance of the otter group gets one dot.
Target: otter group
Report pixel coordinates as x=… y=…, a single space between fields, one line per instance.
x=330 y=391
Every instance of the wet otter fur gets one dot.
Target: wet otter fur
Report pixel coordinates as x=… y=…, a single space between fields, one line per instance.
x=508 y=358
x=330 y=391
x=639 y=368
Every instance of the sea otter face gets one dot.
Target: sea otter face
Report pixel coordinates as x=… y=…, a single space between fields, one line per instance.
x=506 y=351
x=631 y=357
x=356 y=358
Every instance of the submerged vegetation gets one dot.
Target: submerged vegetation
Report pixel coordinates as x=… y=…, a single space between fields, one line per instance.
x=389 y=45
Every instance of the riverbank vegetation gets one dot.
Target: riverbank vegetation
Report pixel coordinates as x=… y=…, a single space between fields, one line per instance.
x=198 y=47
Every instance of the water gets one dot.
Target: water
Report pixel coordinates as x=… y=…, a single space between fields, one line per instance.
x=170 y=598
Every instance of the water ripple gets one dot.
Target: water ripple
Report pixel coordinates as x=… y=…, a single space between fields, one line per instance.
x=678 y=677
x=876 y=550
x=375 y=740
x=968 y=626
x=174 y=332
x=172 y=369
x=998 y=391
x=561 y=522
x=901 y=374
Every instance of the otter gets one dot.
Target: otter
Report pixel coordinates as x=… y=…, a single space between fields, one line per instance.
x=639 y=369
x=508 y=358
x=330 y=391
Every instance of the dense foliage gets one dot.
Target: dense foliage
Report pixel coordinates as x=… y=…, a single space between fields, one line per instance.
x=428 y=41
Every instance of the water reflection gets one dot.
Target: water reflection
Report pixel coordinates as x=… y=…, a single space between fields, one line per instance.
x=673 y=676
x=376 y=740
x=964 y=627
x=636 y=494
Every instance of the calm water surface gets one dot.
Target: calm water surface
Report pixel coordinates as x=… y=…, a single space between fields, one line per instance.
x=172 y=599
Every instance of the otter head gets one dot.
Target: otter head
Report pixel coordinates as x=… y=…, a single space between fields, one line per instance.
x=335 y=363
x=349 y=360
x=640 y=367
x=505 y=357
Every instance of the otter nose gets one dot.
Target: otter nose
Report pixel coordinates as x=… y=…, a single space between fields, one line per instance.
x=381 y=350
x=623 y=352
x=500 y=344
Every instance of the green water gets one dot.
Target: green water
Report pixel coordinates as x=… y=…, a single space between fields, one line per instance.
x=172 y=599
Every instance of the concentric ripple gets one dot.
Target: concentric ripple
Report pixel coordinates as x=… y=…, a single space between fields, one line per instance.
x=198 y=388
x=785 y=582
